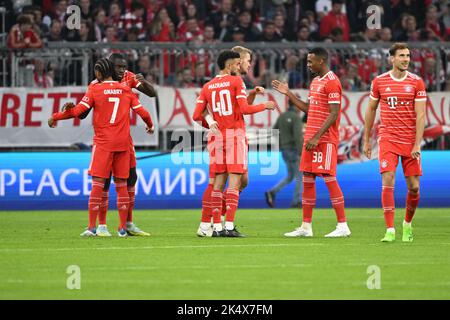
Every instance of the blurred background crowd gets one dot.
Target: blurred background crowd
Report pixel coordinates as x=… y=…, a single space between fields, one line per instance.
x=36 y=24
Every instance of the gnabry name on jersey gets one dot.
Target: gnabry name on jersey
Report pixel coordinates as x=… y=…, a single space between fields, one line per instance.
x=112 y=91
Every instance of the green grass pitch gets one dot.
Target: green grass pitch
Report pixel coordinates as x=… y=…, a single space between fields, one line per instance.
x=37 y=247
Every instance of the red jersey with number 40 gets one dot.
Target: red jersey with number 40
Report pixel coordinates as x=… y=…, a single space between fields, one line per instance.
x=322 y=92
x=112 y=102
x=226 y=97
x=397 y=99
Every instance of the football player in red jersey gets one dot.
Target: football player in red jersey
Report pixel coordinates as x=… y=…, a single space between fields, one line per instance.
x=204 y=230
x=402 y=99
x=111 y=101
x=319 y=155
x=226 y=97
x=138 y=82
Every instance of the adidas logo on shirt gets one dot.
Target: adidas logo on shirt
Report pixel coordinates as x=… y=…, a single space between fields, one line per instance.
x=388 y=89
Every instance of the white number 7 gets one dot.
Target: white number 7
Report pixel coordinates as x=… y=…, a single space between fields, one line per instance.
x=116 y=106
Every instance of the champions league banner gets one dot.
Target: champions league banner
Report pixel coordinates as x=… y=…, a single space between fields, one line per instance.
x=59 y=181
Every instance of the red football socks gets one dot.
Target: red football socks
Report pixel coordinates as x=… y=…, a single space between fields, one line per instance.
x=131 y=196
x=388 y=203
x=232 y=204
x=336 y=197
x=95 y=202
x=122 y=203
x=206 y=204
x=412 y=201
x=308 y=197
x=103 y=208
x=216 y=205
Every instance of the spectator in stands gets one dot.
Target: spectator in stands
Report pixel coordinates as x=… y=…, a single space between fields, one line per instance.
x=335 y=19
x=162 y=28
x=414 y=8
x=132 y=34
x=110 y=34
x=351 y=81
x=337 y=35
x=223 y=20
x=432 y=23
x=280 y=27
x=99 y=18
x=114 y=14
x=293 y=76
x=86 y=9
x=411 y=33
x=237 y=35
x=269 y=33
x=22 y=36
x=86 y=32
x=208 y=35
x=385 y=34
x=323 y=8
x=311 y=21
x=134 y=18
x=200 y=75
x=144 y=65
x=55 y=34
x=303 y=33
x=251 y=33
x=185 y=79
x=250 y=7
x=192 y=31
x=41 y=28
x=60 y=11
x=42 y=78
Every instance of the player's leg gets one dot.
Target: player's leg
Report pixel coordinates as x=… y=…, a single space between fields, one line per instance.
x=388 y=203
x=413 y=170
x=216 y=203
x=205 y=229
x=308 y=196
x=298 y=184
x=271 y=193
x=99 y=169
x=102 y=230
x=121 y=171
x=308 y=204
x=337 y=201
x=232 y=201
x=132 y=228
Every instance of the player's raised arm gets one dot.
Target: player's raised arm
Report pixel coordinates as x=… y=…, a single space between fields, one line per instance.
x=282 y=87
x=243 y=103
x=137 y=107
x=369 y=117
x=144 y=86
x=252 y=95
x=419 y=107
x=69 y=113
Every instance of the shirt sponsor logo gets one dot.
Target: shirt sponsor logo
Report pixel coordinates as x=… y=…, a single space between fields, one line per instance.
x=334 y=95
x=421 y=93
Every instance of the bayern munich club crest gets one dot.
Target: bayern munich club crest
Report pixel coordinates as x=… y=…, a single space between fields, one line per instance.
x=408 y=89
x=384 y=163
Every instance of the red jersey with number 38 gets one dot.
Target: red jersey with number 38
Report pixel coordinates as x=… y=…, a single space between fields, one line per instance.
x=322 y=92
x=397 y=103
x=111 y=102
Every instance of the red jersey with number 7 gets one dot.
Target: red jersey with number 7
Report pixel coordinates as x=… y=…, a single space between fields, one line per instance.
x=397 y=99
x=111 y=102
x=226 y=99
x=322 y=92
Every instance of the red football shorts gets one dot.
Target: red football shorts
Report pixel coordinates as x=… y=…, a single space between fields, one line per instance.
x=104 y=162
x=388 y=154
x=227 y=153
x=320 y=161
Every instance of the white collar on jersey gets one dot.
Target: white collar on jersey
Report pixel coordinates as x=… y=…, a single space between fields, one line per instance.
x=326 y=74
x=399 y=80
x=109 y=81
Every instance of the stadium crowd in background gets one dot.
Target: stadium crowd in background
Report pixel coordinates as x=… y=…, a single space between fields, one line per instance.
x=215 y=21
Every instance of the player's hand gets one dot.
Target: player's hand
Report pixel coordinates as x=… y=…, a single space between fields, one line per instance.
x=51 y=122
x=281 y=87
x=415 y=152
x=270 y=105
x=367 y=149
x=259 y=90
x=67 y=106
x=312 y=143
x=139 y=77
x=214 y=127
x=150 y=130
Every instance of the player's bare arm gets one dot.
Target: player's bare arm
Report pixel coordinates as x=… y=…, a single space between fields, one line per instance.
x=145 y=86
x=419 y=107
x=329 y=121
x=283 y=88
x=369 y=119
x=252 y=95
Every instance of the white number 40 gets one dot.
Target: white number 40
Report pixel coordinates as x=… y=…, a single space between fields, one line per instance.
x=224 y=107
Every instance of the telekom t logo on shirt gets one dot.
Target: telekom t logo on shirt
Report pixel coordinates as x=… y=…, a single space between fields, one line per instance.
x=392 y=101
